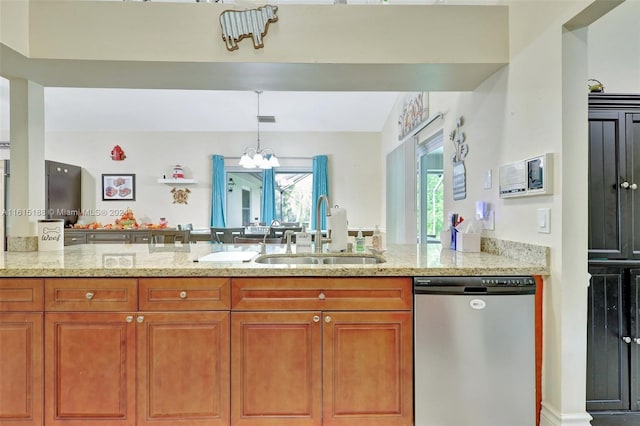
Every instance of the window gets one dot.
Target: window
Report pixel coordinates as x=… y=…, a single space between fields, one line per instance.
x=293 y=191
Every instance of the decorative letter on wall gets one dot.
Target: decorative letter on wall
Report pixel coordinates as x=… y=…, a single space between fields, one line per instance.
x=238 y=24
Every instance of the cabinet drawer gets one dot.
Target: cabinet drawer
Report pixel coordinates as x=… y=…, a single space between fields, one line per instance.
x=71 y=239
x=184 y=294
x=90 y=294
x=388 y=293
x=21 y=294
x=108 y=237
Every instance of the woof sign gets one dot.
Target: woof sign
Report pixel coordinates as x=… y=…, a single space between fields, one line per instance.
x=254 y=23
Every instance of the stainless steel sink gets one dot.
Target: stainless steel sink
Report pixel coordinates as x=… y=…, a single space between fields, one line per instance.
x=274 y=259
x=352 y=260
x=319 y=259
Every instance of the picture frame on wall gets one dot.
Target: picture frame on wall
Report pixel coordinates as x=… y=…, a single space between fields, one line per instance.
x=118 y=187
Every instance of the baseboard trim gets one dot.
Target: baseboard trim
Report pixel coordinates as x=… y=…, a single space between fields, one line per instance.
x=549 y=416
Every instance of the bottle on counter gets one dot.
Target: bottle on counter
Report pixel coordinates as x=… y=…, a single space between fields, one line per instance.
x=359 y=242
x=376 y=239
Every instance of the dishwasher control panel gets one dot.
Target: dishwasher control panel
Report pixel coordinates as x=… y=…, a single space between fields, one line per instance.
x=475 y=285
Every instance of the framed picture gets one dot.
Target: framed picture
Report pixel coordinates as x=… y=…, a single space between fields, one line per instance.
x=118 y=187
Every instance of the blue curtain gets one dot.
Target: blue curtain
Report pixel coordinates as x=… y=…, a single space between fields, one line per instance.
x=218 y=192
x=268 y=208
x=320 y=187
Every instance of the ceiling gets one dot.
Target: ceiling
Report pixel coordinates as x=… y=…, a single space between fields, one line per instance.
x=96 y=109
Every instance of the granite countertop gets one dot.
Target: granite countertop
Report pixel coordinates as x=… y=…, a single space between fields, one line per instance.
x=139 y=260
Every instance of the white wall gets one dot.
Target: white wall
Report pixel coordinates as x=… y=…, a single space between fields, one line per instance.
x=354 y=183
x=614 y=49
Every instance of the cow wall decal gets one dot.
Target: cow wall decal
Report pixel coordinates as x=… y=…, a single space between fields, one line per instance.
x=239 y=24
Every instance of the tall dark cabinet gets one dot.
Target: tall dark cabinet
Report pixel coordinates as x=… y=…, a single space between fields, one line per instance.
x=613 y=334
x=63 y=191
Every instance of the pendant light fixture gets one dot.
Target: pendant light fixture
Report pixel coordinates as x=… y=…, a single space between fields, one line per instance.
x=258 y=157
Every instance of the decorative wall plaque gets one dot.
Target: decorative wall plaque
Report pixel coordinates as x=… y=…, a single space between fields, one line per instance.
x=461 y=149
x=239 y=24
x=415 y=111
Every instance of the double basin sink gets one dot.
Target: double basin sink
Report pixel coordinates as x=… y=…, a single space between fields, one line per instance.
x=319 y=259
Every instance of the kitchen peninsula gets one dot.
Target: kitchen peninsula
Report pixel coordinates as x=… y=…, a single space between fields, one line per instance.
x=136 y=334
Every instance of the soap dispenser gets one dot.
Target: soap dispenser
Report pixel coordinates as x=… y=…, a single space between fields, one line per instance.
x=359 y=242
x=376 y=239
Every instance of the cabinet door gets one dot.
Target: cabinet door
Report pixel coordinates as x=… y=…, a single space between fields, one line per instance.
x=632 y=132
x=183 y=368
x=21 y=369
x=634 y=333
x=607 y=201
x=276 y=375
x=90 y=369
x=607 y=353
x=367 y=368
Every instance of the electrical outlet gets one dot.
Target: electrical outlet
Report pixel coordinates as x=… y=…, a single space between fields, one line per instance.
x=490 y=222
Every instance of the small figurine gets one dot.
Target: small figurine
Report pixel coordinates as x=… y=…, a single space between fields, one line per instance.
x=177 y=172
x=117 y=154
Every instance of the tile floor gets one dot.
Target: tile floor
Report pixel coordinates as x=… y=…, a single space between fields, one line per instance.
x=615 y=419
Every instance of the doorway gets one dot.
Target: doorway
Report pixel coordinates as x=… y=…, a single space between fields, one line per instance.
x=430 y=188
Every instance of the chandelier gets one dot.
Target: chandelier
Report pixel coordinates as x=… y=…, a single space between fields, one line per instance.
x=258 y=157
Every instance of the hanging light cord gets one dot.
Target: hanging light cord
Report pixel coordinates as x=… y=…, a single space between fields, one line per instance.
x=258 y=92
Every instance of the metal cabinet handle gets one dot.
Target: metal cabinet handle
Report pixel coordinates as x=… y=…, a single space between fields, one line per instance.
x=316 y=318
x=183 y=295
x=626 y=339
x=634 y=186
x=129 y=318
x=89 y=295
x=321 y=296
x=637 y=340
x=327 y=319
x=624 y=184
x=140 y=319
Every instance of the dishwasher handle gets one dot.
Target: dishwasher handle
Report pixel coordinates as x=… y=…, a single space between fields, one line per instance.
x=474 y=290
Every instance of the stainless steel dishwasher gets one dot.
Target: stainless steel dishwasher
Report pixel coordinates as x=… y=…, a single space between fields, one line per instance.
x=474 y=351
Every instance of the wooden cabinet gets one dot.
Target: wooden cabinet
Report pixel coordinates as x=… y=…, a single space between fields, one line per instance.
x=613 y=339
x=21 y=352
x=347 y=363
x=90 y=368
x=367 y=368
x=614 y=183
x=125 y=236
x=183 y=368
x=124 y=351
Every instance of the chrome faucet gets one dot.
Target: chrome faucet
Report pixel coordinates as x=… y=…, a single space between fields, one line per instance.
x=318 y=238
x=263 y=247
x=287 y=234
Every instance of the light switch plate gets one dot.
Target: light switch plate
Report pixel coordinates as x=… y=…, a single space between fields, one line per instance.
x=487 y=179
x=544 y=221
x=490 y=222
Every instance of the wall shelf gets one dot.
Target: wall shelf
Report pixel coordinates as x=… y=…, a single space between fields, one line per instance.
x=177 y=181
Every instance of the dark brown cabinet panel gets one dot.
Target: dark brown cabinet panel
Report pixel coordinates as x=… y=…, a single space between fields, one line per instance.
x=614 y=179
